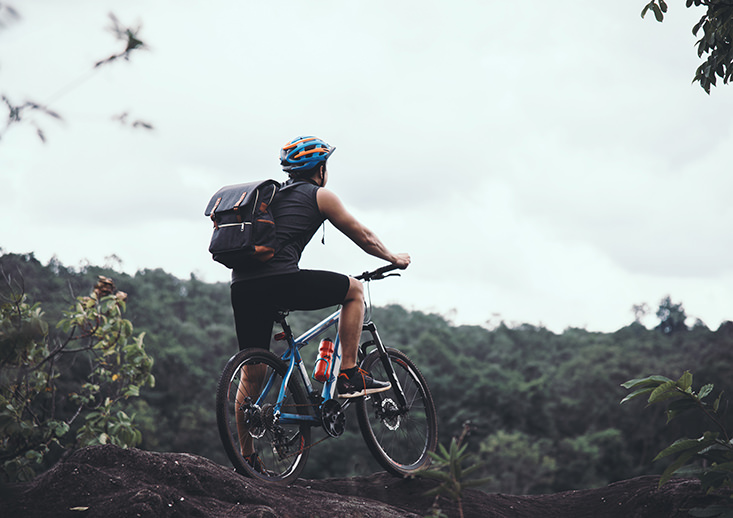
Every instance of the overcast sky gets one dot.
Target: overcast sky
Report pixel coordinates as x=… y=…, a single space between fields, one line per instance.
x=549 y=163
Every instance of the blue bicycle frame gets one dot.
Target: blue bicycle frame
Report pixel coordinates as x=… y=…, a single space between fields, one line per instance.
x=292 y=358
x=295 y=363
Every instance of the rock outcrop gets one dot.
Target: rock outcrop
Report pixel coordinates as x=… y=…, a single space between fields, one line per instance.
x=110 y=482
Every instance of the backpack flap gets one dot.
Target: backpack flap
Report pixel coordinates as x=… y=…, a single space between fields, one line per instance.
x=241 y=194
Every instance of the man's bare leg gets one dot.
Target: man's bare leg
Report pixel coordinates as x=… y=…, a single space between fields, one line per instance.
x=250 y=384
x=350 y=323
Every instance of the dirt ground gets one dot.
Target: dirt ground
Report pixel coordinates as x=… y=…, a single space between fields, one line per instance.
x=110 y=482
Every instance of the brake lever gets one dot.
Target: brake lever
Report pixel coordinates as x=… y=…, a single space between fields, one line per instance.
x=383 y=276
x=366 y=277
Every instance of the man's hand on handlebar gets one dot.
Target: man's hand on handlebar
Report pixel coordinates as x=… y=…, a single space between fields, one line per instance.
x=401 y=261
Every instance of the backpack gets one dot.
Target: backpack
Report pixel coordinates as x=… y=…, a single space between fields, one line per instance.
x=244 y=229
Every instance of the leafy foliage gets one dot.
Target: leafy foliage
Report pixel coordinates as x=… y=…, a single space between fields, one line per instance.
x=517 y=463
x=544 y=405
x=714 y=446
x=449 y=471
x=715 y=41
x=46 y=386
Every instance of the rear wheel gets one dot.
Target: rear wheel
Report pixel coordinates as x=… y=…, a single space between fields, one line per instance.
x=249 y=424
x=400 y=437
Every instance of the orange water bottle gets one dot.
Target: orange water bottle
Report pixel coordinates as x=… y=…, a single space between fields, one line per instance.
x=322 y=369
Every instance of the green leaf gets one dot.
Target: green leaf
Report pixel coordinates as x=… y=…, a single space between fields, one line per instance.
x=657 y=12
x=636 y=393
x=685 y=381
x=677 y=464
x=646 y=8
x=663 y=392
x=698 y=25
x=705 y=390
x=132 y=391
x=649 y=380
x=60 y=428
x=680 y=445
x=716 y=404
x=34 y=456
x=437 y=458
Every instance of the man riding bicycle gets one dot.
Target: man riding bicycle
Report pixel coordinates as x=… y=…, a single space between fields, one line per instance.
x=257 y=293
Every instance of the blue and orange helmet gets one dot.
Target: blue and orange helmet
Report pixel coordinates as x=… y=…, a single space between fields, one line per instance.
x=303 y=154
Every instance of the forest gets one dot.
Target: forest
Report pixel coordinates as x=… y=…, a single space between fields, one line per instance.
x=543 y=407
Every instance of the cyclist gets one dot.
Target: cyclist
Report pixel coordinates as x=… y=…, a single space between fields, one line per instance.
x=278 y=284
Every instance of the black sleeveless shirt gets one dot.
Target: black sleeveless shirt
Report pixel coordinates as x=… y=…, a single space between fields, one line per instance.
x=295 y=210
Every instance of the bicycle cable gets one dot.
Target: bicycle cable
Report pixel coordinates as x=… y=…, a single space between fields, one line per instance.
x=368 y=302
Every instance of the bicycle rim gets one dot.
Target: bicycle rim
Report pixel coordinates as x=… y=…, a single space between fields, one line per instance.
x=247 y=392
x=399 y=439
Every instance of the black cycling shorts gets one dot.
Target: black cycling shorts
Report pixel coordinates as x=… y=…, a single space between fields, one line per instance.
x=256 y=301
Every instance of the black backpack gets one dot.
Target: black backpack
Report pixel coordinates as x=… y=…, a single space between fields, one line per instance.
x=244 y=229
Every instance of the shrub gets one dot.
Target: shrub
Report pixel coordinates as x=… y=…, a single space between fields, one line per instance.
x=49 y=388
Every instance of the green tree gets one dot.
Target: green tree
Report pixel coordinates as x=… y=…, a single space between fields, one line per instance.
x=671 y=317
x=515 y=463
x=715 y=40
x=42 y=399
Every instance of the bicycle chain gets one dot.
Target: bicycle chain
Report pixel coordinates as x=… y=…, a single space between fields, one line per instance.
x=310 y=445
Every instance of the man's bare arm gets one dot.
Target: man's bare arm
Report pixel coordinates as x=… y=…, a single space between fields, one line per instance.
x=331 y=207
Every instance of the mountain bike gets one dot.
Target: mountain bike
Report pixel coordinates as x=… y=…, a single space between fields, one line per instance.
x=267 y=404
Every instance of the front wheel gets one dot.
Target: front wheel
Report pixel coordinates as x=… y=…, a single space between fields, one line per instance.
x=257 y=441
x=400 y=436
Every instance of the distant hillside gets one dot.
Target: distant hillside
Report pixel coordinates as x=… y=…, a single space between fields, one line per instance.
x=544 y=407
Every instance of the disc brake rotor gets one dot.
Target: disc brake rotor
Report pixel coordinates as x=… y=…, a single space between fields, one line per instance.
x=389 y=413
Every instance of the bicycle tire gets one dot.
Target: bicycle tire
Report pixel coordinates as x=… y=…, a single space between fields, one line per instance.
x=400 y=441
x=281 y=450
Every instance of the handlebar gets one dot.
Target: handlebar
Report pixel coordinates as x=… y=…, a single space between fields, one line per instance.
x=379 y=273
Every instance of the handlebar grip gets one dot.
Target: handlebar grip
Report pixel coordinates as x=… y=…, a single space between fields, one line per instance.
x=378 y=273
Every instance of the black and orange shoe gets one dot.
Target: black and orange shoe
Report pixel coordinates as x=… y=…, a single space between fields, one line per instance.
x=359 y=383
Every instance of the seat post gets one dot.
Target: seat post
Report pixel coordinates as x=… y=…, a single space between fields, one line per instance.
x=280 y=319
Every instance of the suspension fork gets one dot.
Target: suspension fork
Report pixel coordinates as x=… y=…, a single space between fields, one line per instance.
x=371 y=328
